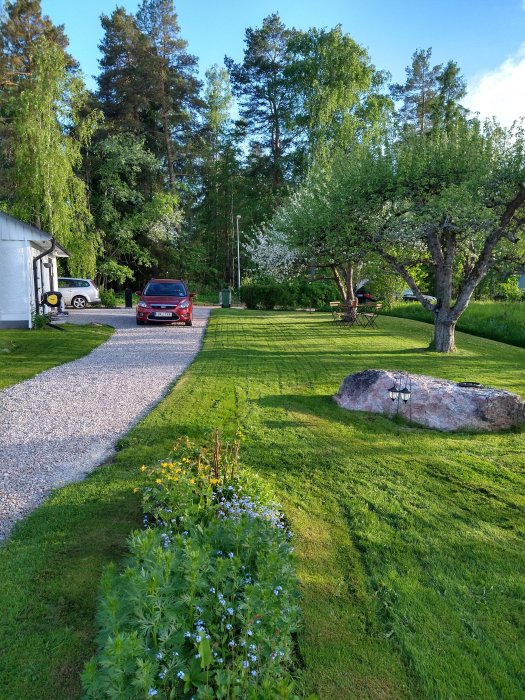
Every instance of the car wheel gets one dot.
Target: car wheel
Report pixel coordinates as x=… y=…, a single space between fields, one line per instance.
x=78 y=303
x=188 y=323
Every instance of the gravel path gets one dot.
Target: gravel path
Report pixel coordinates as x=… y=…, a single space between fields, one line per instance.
x=61 y=424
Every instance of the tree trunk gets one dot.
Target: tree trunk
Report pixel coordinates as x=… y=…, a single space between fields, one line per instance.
x=444 y=340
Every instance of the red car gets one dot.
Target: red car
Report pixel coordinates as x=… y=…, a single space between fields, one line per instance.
x=165 y=301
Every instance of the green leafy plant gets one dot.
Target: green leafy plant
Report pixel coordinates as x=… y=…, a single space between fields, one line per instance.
x=108 y=298
x=39 y=321
x=207 y=602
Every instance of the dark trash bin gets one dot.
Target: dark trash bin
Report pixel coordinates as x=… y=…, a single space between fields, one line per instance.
x=128 y=297
x=225 y=298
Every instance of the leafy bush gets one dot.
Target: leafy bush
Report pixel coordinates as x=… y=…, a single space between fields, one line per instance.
x=39 y=321
x=108 y=298
x=206 y=604
x=296 y=293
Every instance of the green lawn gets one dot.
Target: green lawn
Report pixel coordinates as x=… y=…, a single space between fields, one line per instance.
x=24 y=353
x=409 y=541
x=498 y=320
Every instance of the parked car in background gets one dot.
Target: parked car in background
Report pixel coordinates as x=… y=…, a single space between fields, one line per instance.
x=364 y=296
x=408 y=295
x=165 y=301
x=78 y=292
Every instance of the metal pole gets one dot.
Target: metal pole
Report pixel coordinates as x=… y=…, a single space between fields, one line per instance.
x=238 y=259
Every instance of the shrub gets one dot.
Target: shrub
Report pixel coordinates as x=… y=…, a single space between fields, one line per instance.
x=206 y=604
x=296 y=293
x=108 y=298
x=39 y=321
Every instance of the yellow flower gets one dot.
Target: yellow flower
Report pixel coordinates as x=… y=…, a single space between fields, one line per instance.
x=158 y=481
x=192 y=481
x=143 y=468
x=136 y=490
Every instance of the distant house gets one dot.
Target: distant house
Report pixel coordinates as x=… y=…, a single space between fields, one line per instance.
x=28 y=269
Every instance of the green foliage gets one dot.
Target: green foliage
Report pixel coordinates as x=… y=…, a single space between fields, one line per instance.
x=299 y=292
x=108 y=298
x=431 y=94
x=510 y=289
x=336 y=90
x=39 y=321
x=206 y=603
x=489 y=319
x=267 y=294
x=404 y=537
x=49 y=194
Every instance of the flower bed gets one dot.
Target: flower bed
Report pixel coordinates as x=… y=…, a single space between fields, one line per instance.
x=207 y=602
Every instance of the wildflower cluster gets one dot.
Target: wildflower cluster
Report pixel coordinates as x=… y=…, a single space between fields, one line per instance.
x=206 y=605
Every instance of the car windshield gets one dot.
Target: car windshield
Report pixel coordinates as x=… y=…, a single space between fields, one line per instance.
x=164 y=289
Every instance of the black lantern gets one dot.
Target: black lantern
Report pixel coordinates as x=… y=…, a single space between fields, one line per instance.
x=393 y=392
x=405 y=394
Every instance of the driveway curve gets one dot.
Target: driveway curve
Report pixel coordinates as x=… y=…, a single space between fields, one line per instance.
x=58 y=426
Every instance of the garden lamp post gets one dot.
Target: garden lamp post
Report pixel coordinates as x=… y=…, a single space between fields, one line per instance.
x=401 y=389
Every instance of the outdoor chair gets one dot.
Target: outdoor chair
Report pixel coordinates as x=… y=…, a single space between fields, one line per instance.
x=335 y=308
x=367 y=319
x=340 y=312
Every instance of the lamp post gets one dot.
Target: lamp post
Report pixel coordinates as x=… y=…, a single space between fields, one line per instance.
x=403 y=391
x=238 y=259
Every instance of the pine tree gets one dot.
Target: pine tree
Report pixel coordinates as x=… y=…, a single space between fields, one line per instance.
x=420 y=91
x=173 y=86
x=20 y=31
x=262 y=87
x=123 y=79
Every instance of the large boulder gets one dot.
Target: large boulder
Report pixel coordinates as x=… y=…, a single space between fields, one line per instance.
x=435 y=403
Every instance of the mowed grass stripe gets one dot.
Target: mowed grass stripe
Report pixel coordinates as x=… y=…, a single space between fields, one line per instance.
x=409 y=541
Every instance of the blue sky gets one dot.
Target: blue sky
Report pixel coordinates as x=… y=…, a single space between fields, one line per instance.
x=486 y=37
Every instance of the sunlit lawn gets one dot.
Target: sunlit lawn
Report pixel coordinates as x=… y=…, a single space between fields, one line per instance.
x=24 y=353
x=498 y=320
x=409 y=541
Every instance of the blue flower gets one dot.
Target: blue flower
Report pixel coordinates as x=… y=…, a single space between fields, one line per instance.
x=229 y=611
x=212 y=590
x=230 y=554
x=152 y=692
x=159 y=656
x=180 y=675
x=254 y=673
x=245 y=664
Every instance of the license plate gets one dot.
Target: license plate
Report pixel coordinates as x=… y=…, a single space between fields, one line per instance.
x=163 y=314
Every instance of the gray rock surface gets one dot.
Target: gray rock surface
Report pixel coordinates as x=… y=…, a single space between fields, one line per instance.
x=61 y=424
x=434 y=403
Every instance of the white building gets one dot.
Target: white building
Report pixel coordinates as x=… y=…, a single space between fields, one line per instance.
x=28 y=269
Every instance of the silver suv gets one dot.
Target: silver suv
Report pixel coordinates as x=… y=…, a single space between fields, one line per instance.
x=78 y=292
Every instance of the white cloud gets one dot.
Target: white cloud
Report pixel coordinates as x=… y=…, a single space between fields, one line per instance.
x=499 y=93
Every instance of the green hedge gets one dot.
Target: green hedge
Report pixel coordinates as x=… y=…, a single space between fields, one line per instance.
x=206 y=604
x=503 y=321
x=291 y=294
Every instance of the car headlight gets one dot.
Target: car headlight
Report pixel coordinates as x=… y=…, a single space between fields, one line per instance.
x=184 y=305
x=142 y=305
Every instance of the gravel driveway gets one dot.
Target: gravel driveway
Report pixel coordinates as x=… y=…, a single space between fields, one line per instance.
x=61 y=424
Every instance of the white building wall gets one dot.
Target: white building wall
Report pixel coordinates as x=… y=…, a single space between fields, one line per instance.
x=15 y=302
x=19 y=245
